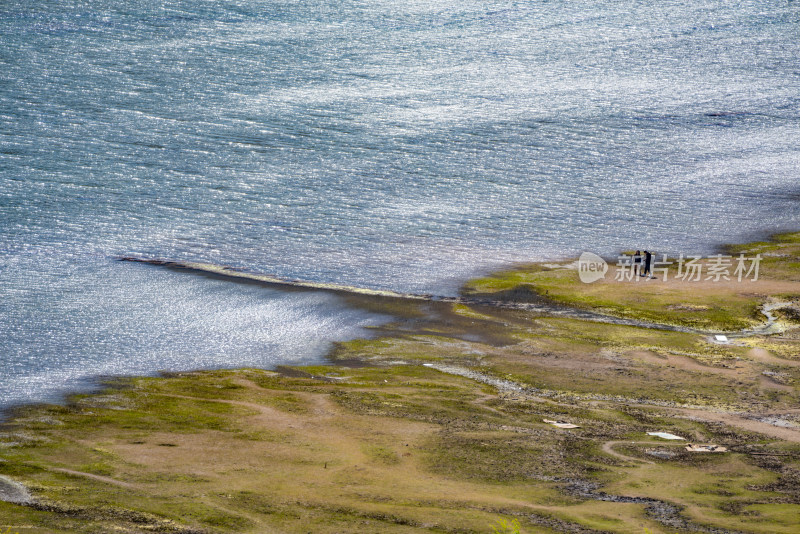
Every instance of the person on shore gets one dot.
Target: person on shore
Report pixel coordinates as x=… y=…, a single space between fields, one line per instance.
x=637 y=263
x=648 y=259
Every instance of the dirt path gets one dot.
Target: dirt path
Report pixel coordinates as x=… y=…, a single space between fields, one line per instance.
x=267 y=415
x=767 y=382
x=608 y=448
x=749 y=369
x=99 y=478
x=685 y=363
x=732 y=419
x=745 y=423
x=764 y=356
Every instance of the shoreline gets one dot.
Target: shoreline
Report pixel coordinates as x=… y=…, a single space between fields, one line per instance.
x=96 y=383
x=442 y=421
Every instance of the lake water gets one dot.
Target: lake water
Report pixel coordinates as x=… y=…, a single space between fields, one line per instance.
x=390 y=144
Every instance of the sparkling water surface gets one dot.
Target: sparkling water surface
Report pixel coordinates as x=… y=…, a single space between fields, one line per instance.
x=401 y=145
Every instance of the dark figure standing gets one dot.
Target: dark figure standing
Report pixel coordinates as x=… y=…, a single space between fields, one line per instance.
x=648 y=258
x=637 y=263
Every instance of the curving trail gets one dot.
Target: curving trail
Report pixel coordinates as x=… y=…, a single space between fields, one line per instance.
x=608 y=448
x=765 y=357
x=684 y=362
x=744 y=422
x=99 y=478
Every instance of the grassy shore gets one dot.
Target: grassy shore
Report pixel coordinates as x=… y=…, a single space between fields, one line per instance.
x=437 y=423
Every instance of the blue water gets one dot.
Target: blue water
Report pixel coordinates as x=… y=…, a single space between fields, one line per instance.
x=404 y=145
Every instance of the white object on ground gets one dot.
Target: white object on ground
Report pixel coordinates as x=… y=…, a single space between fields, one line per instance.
x=560 y=424
x=723 y=339
x=706 y=448
x=664 y=435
